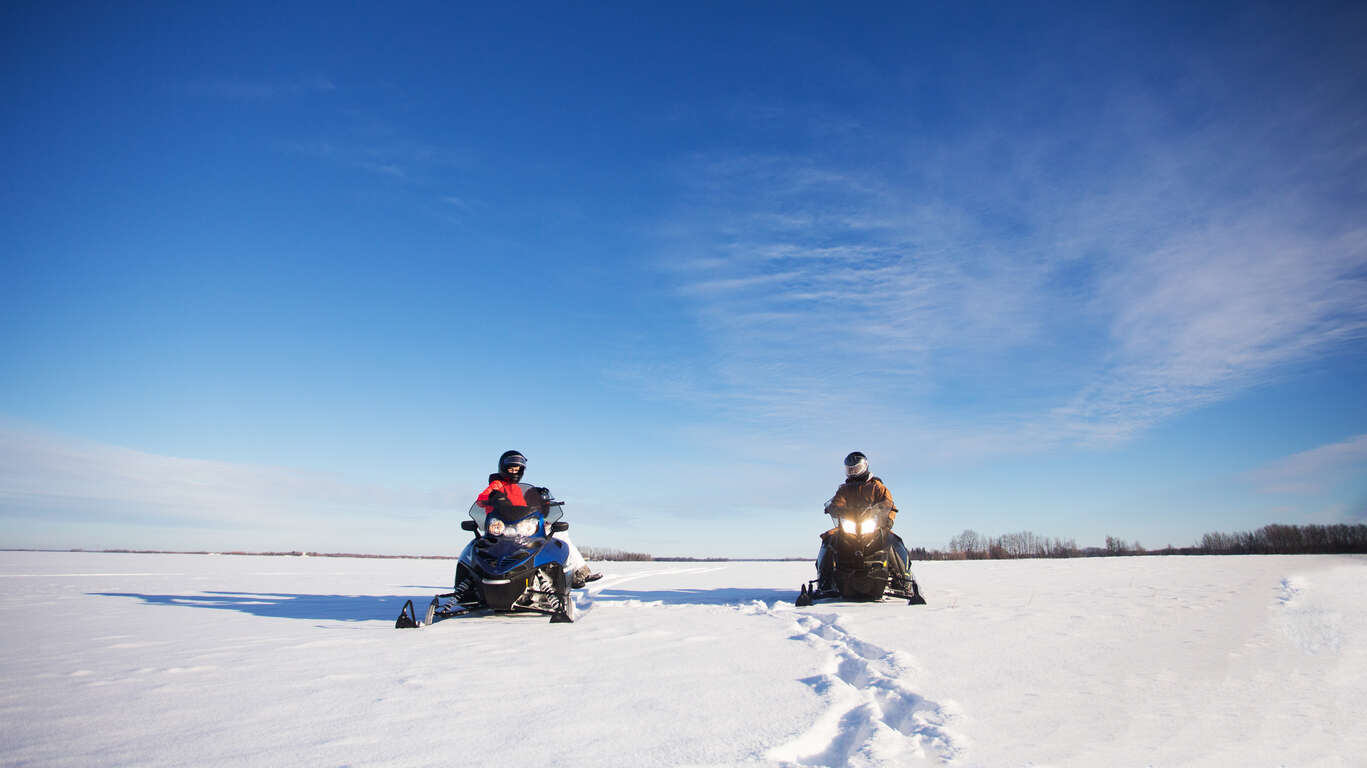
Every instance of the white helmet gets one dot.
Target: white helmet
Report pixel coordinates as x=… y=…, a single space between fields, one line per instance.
x=856 y=464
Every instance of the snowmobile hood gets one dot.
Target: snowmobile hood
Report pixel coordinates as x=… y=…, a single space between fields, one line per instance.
x=505 y=554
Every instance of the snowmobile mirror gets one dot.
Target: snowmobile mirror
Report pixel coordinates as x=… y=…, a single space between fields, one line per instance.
x=469 y=525
x=559 y=525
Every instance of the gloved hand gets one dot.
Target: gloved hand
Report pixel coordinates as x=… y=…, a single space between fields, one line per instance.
x=497 y=499
x=545 y=492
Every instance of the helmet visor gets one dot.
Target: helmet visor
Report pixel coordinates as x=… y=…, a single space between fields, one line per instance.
x=512 y=464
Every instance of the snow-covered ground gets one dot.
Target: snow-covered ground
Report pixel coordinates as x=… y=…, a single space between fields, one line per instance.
x=121 y=659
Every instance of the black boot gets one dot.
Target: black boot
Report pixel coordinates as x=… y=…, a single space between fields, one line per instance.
x=464 y=591
x=582 y=576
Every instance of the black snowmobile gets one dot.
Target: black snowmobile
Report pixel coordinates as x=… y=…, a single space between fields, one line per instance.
x=512 y=564
x=861 y=562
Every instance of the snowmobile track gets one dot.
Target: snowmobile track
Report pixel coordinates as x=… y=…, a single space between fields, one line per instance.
x=874 y=718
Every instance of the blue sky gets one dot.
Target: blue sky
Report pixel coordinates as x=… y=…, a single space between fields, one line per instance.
x=293 y=276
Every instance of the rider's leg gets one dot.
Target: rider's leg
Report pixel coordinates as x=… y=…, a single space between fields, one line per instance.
x=825 y=564
x=901 y=559
x=580 y=573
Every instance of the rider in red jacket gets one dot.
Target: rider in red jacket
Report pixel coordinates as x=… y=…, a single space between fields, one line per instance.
x=505 y=488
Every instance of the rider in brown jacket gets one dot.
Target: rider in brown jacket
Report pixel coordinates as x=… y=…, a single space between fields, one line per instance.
x=860 y=491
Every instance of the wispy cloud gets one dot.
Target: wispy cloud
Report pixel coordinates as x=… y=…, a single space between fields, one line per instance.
x=58 y=479
x=384 y=169
x=1010 y=289
x=365 y=145
x=1310 y=472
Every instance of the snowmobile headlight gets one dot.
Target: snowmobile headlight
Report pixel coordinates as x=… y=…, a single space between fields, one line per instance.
x=868 y=526
x=526 y=527
x=848 y=525
x=496 y=526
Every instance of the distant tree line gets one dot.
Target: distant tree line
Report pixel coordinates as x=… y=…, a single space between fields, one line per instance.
x=1273 y=539
x=971 y=545
x=1288 y=540
x=601 y=553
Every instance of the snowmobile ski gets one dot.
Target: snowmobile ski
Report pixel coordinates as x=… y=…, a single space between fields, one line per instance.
x=915 y=598
x=408 y=619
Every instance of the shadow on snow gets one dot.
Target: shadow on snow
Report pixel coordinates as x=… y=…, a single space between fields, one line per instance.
x=284 y=605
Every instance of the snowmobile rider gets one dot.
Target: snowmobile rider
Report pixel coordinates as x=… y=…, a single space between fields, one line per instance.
x=860 y=491
x=504 y=489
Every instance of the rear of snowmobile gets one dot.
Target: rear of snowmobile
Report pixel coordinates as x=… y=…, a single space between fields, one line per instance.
x=512 y=565
x=865 y=566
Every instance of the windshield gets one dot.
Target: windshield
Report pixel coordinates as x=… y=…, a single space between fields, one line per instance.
x=534 y=506
x=858 y=514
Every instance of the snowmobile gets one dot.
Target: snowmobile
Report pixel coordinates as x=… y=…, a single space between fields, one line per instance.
x=513 y=564
x=865 y=565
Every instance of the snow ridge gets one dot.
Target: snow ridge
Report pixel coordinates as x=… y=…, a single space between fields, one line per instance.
x=874 y=719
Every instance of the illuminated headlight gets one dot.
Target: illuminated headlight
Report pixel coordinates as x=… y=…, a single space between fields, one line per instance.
x=523 y=528
x=848 y=526
x=868 y=526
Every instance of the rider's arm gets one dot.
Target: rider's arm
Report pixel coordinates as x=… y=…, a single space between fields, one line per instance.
x=837 y=502
x=887 y=503
x=484 y=500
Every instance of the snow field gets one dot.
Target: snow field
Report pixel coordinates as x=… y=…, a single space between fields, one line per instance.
x=159 y=660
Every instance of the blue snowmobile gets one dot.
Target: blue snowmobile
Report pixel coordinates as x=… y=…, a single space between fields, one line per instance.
x=513 y=564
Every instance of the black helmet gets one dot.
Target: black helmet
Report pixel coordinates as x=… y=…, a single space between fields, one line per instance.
x=510 y=460
x=856 y=464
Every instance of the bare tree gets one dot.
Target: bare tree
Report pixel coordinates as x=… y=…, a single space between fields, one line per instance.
x=969 y=542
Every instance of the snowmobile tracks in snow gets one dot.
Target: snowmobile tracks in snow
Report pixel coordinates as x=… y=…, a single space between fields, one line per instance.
x=1307 y=620
x=875 y=719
